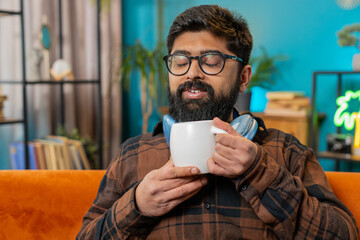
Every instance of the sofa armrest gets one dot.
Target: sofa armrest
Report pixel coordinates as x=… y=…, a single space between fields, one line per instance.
x=346 y=186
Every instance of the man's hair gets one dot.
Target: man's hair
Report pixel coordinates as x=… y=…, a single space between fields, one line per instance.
x=218 y=21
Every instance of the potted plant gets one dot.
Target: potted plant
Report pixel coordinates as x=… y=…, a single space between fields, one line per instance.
x=150 y=65
x=350 y=36
x=264 y=74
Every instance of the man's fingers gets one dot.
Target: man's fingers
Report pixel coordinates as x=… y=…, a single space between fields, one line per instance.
x=178 y=201
x=224 y=150
x=167 y=205
x=215 y=168
x=187 y=190
x=169 y=171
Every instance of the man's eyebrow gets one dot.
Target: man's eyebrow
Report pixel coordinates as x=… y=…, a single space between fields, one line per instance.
x=210 y=51
x=181 y=52
x=201 y=52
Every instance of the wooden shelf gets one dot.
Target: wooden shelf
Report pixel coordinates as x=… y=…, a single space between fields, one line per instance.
x=93 y=81
x=9 y=121
x=339 y=156
x=51 y=82
x=7 y=13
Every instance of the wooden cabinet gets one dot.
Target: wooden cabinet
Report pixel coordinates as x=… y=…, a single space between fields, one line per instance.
x=295 y=125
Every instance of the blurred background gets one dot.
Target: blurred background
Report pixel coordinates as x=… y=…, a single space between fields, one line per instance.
x=301 y=35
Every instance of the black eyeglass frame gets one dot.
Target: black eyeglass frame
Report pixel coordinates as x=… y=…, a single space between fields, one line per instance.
x=224 y=56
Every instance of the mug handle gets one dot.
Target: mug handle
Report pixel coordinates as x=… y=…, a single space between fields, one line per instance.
x=216 y=130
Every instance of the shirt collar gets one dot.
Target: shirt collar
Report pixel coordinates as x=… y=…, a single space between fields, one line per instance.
x=158 y=129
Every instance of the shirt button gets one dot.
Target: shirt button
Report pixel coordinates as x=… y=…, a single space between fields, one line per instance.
x=243 y=187
x=208 y=206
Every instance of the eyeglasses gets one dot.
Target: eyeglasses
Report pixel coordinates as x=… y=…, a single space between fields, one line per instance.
x=210 y=63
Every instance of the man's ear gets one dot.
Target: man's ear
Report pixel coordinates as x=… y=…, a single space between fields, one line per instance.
x=245 y=77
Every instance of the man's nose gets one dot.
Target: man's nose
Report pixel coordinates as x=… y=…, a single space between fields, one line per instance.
x=194 y=71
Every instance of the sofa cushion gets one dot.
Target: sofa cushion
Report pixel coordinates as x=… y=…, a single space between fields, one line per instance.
x=45 y=204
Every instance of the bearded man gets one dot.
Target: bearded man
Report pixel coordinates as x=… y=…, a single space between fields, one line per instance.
x=270 y=187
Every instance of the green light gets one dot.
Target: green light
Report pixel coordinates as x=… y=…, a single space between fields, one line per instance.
x=342 y=117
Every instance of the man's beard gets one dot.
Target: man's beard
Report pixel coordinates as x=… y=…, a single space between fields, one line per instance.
x=184 y=110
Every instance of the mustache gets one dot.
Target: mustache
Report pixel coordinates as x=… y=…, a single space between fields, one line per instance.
x=198 y=84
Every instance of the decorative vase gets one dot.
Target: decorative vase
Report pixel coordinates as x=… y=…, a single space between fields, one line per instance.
x=258 y=99
x=356 y=62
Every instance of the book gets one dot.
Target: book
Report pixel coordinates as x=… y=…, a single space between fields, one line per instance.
x=53 y=152
x=298 y=102
x=32 y=156
x=50 y=153
x=47 y=156
x=83 y=158
x=285 y=103
x=287 y=112
x=289 y=106
x=2 y=99
x=40 y=155
x=59 y=156
x=17 y=155
x=36 y=155
x=65 y=150
x=75 y=157
x=284 y=95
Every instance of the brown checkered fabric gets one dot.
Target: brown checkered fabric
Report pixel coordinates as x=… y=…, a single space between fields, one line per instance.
x=284 y=195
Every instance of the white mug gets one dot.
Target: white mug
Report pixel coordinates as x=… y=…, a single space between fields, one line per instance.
x=193 y=143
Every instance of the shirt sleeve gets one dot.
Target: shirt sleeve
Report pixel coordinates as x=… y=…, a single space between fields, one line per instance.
x=113 y=214
x=288 y=190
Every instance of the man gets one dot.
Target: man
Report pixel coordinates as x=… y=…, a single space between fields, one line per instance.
x=268 y=188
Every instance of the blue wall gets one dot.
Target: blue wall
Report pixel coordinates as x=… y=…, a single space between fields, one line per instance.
x=139 y=23
x=304 y=30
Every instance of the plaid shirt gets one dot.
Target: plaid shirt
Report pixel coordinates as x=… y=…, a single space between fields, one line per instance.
x=283 y=195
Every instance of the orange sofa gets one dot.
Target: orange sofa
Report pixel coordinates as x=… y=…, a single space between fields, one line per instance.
x=46 y=204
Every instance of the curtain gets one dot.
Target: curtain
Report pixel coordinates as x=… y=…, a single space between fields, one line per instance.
x=79 y=38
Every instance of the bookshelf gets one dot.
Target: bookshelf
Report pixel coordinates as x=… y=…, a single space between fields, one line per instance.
x=26 y=84
x=314 y=116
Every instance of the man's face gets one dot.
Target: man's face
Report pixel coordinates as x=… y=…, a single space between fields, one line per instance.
x=196 y=95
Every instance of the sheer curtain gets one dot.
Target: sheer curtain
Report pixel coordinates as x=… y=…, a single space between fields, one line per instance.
x=80 y=50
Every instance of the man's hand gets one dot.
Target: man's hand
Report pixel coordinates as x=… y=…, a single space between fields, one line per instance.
x=233 y=155
x=163 y=189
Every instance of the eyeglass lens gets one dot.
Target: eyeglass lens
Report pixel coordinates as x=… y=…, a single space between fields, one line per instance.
x=209 y=63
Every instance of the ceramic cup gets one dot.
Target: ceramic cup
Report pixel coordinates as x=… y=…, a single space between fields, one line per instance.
x=193 y=143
